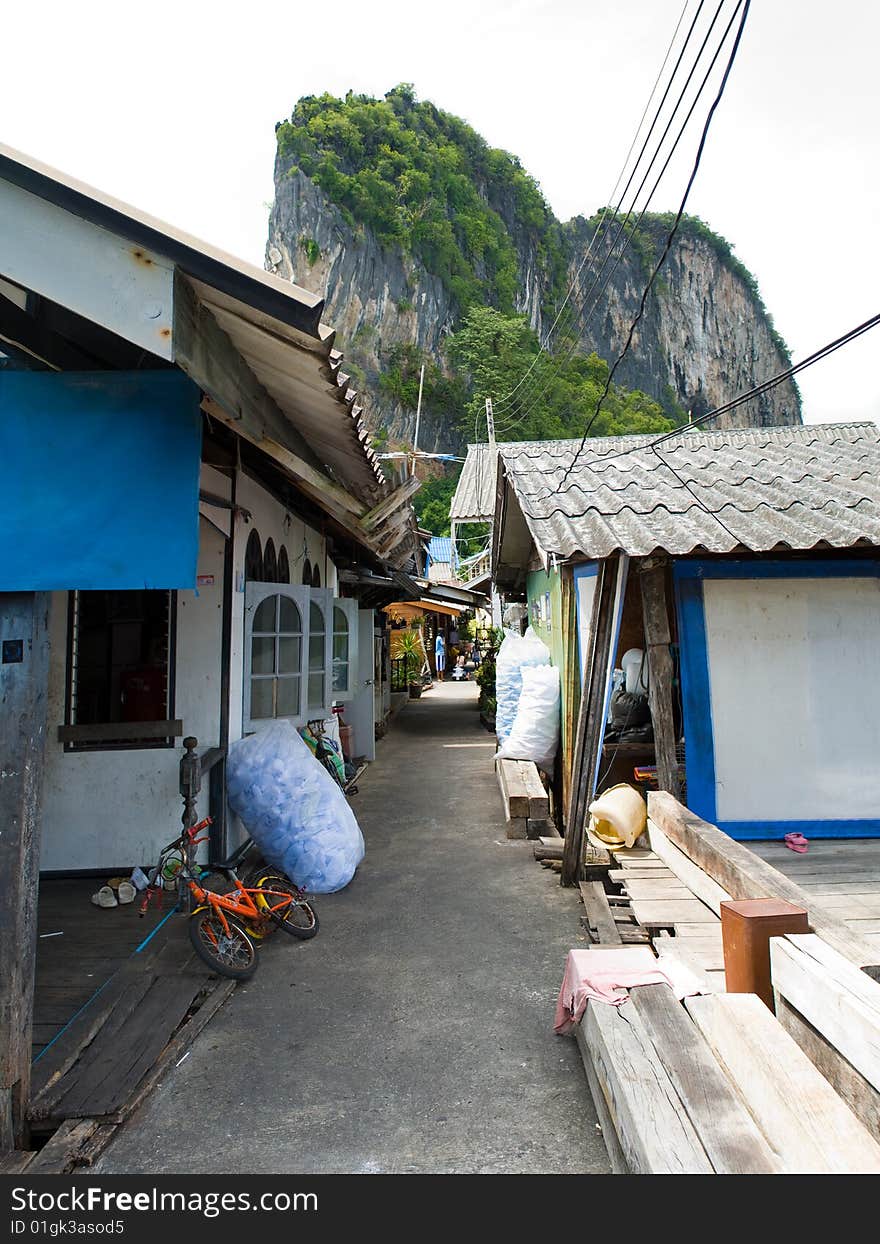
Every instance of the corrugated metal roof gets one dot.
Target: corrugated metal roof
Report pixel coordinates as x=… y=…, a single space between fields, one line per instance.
x=275 y=325
x=474 y=497
x=440 y=549
x=756 y=488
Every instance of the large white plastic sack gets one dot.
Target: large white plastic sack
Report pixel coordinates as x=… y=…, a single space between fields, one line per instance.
x=535 y=731
x=517 y=652
x=293 y=810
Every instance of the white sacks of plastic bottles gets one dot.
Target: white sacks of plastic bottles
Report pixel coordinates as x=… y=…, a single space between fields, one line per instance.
x=293 y=810
x=534 y=734
x=517 y=652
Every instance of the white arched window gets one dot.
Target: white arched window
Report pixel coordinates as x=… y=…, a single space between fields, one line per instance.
x=300 y=653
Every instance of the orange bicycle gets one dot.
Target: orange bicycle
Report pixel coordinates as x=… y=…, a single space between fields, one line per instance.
x=267 y=902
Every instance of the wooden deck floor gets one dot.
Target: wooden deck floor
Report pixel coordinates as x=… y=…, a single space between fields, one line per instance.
x=79 y=947
x=841 y=874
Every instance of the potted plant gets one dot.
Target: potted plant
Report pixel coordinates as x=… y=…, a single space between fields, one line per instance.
x=410 y=649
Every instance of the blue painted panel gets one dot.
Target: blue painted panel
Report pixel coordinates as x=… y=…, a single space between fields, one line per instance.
x=696 y=688
x=763 y=831
x=696 y=698
x=836 y=568
x=99 y=480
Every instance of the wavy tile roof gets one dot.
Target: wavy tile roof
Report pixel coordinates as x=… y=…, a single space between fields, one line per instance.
x=756 y=488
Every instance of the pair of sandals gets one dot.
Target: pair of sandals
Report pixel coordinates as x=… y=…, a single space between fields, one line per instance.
x=119 y=892
x=796 y=842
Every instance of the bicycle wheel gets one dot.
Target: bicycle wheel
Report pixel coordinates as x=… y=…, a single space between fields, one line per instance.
x=231 y=954
x=298 y=917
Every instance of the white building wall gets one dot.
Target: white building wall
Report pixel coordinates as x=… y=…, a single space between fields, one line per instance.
x=794 y=668
x=114 y=809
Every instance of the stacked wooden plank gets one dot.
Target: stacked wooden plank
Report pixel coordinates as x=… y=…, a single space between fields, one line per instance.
x=715 y=1086
x=832 y=1010
x=526 y=802
x=664 y=902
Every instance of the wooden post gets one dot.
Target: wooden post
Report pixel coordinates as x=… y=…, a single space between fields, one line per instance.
x=746 y=929
x=657 y=641
x=591 y=720
x=24 y=678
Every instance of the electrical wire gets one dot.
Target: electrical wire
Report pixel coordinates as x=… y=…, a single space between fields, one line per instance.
x=564 y=357
x=506 y=398
x=599 y=463
x=744 y=5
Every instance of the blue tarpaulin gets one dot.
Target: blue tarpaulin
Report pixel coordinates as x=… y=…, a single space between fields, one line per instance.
x=99 y=480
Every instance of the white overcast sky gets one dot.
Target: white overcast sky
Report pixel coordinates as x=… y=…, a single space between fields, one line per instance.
x=171 y=106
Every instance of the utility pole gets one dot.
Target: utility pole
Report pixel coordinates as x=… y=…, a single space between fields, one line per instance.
x=418 y=416
x=490 y=421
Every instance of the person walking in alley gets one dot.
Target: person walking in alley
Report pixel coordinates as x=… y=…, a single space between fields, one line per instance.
x=439 y=655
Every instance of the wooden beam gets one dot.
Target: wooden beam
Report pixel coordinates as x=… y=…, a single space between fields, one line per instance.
x=804 y=1121
x=835 y=997
x=378 y=514
x=745 y=875
x=590 y=718
x=24 y=617
x=654 y=1133
x=728 y=1133
x=699 y=883
x=861 y=1097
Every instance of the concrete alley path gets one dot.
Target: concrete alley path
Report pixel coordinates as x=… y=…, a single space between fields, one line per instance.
x=415 y=1032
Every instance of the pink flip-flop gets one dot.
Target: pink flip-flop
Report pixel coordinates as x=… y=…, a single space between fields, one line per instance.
x=796 y=842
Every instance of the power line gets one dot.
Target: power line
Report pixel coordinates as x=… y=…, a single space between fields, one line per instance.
x=507 y=397
x=676 y=433
x=564 y=357
x=744 y=4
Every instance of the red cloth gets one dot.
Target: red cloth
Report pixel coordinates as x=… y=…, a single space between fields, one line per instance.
x=606 y=973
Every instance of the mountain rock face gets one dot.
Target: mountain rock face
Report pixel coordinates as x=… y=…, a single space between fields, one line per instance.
x=703 y=339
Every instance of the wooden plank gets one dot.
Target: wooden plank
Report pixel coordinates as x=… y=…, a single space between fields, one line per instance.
x=637 y=888
x=517 y=828
x=121 y=1054
x=219 y=993
x=699 y=883
x=663 y=913
x=652 y=1127
x=829 y=992
x=539 y=800
x=745 y=875
x=645 y=874
x=598 y=912
x=542 y=828
x=804 y=1121
x=707 y=967
x=591 y=716
x=513 y=789
x=654 y=572
x=24 y=619
x=60 y=1153
x=726 y=1130
x=606 y=1123
x=547 y=849
x=124 y=990
x=861 y=1097
x=14 y=1161
x=111 y=731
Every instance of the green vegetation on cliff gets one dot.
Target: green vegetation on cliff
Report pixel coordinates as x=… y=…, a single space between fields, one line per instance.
x=424 y=180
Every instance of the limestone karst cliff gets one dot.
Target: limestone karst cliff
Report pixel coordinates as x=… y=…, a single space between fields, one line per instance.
x=704 y=338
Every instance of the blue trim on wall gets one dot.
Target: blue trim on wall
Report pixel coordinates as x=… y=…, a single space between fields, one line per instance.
x=696 y=697
x=831 y=568
x=763 y=831
x=688 y=576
